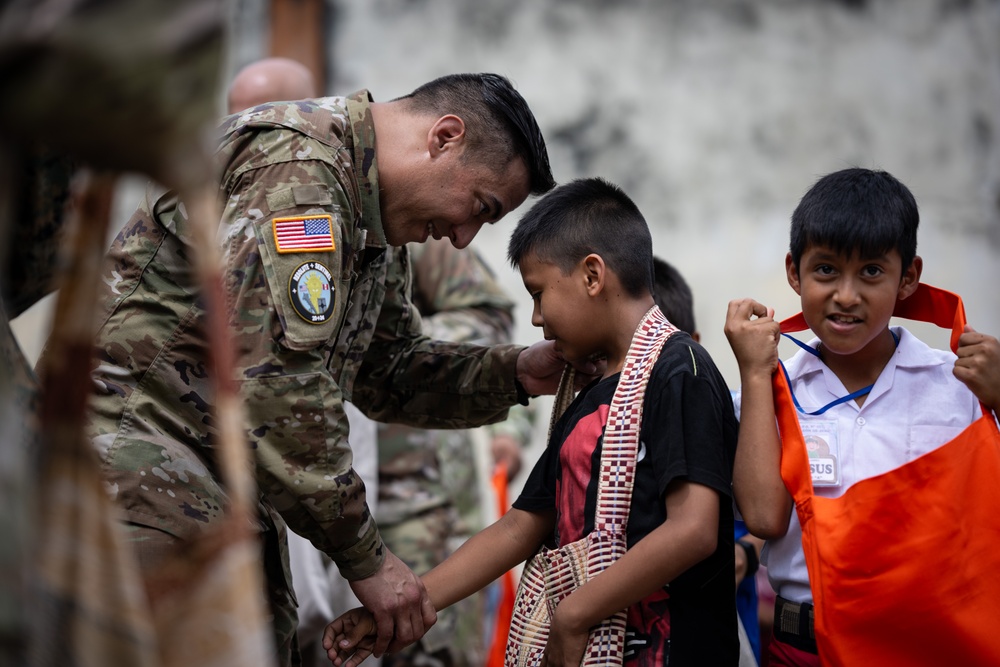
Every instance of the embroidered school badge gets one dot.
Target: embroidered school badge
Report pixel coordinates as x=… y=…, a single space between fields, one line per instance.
x=304 y=233
x=311 y=292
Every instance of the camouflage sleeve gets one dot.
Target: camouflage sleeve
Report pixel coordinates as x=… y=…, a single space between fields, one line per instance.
x=409 y=378
x=298 y=429
x=457 y=295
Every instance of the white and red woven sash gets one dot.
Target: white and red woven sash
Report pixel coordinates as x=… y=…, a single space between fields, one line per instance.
x=553 y=574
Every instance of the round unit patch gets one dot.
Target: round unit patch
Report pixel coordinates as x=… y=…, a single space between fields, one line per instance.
x=311 y=292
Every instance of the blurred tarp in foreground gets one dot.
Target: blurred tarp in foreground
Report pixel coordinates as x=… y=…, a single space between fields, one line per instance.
x=92 y=88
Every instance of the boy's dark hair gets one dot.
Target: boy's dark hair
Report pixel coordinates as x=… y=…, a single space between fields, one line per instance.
x=582 y=217
x=499 y=125
x=857 y=210
x=673 y=295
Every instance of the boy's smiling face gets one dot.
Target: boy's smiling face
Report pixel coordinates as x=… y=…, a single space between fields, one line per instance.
x=560 y=303
x=848 y=301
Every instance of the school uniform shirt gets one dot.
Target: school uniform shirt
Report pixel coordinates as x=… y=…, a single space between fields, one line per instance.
x=688 y=432
x=915 y=406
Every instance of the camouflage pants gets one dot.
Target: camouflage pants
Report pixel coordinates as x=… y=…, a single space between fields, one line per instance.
x=456 y=640
x=153 y=546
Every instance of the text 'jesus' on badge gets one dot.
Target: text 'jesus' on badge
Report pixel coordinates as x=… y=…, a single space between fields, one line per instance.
x=304 y=233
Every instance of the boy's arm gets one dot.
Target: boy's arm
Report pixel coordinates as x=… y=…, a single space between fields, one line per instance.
x=978 y=366
x=688 y=536
x=484 y=557
x=760 y=493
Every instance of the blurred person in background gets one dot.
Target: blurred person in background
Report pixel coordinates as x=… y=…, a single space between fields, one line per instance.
x=674 y=297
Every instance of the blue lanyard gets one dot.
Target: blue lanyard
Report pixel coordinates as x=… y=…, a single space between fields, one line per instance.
x=864 y=391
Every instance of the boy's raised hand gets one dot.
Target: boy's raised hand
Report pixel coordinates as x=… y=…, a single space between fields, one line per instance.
x=753 y=334
x=351 y=637
x=978 y=366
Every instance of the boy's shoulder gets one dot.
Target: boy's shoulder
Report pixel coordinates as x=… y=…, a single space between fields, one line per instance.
x=682 y=354
x=681 y=344
x=914 y=353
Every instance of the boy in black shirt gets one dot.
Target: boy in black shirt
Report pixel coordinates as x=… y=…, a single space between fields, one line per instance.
x=585 y=256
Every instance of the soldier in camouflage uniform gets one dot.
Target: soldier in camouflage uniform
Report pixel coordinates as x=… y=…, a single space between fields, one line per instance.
x=428 y=487
x=314 y=216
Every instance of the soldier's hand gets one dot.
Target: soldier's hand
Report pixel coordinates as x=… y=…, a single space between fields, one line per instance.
x=398 y=600
x=539 y=368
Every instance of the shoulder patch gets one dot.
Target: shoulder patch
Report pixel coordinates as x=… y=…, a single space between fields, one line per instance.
x=312 y=292
x=304 y=233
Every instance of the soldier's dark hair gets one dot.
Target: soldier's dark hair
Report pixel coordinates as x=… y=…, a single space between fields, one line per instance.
x=673 y=295
x=498 y=123
x=582 y=217
x=863 y=211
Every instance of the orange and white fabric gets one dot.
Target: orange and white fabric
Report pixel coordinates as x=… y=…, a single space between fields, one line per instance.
x=901 y=560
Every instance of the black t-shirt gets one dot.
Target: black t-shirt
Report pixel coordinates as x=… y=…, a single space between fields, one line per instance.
x=688 y=432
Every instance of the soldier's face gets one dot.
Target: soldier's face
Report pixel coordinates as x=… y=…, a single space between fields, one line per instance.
x=452 y=198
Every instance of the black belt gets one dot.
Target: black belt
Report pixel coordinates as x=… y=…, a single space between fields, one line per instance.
x=794 y=625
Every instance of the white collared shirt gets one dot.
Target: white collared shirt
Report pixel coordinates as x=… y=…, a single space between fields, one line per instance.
x=926 y=407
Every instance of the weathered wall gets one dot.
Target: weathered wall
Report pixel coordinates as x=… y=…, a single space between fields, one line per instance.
x=717 y=116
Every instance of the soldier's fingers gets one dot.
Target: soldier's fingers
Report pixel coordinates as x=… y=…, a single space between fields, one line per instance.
x=408 y=629
x=385 y=628
x=428 y=612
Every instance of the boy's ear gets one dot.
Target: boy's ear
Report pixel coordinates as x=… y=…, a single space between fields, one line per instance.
x=447 y=133
x=594 y=273
x=792 y=272
x=911 y=278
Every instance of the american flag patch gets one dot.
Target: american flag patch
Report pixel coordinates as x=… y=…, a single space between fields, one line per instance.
x=304 y=233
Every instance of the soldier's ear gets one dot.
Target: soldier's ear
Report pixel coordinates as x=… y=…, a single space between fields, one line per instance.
x=446 y=134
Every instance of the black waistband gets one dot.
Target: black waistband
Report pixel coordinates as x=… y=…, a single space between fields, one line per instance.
x=794 y=625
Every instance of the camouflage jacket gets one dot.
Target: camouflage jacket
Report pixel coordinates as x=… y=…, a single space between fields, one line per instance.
x=461 y=301
x=319 y=315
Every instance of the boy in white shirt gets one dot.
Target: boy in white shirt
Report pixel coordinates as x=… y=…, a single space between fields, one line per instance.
x=872 y=397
